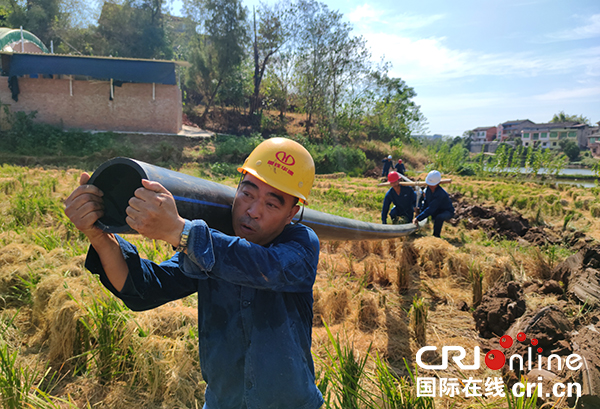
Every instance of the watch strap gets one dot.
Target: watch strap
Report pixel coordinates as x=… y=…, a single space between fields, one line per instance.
x=185 y=234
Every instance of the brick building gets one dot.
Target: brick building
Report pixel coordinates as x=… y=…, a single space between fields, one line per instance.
x=93 y=93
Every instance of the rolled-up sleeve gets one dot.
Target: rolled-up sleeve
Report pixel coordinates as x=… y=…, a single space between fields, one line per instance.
x=148 y=284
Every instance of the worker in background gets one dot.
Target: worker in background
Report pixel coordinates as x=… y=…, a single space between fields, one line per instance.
x=387 y=165
x=255 y=300
x=403 y=198
x=400 y=168
x=435 y=203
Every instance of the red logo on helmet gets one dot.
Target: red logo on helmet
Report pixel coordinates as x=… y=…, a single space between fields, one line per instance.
x=285 y=158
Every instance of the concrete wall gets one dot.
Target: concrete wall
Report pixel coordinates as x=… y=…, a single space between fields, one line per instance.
x=90 y=108
x=491 y=147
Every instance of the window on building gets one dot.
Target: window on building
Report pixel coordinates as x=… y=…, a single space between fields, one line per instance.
x=553 y=134
x=536 y=136
x=572 y=134
x=544 y=135
x=562 y=135
x=553 y=143
x=544 y=144
x=526 y=135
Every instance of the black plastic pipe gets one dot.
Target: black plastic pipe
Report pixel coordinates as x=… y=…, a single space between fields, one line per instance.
x=198 y=198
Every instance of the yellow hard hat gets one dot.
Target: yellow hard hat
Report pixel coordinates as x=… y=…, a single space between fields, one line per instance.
x=283 y=164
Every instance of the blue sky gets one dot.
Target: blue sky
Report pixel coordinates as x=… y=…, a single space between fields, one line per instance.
x=480 y=63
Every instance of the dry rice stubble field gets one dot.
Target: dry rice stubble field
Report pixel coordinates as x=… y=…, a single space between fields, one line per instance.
x=56 y=316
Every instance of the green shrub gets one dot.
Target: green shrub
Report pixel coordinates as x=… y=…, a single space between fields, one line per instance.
x=331 y=159
x=595 y=210
x=27 y=137
x=235 y=149
x=224 y=169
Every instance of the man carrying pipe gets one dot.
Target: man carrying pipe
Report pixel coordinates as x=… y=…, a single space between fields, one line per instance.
x=254 y=288
x=403 y=198
x=436 y=203
x=400 y=168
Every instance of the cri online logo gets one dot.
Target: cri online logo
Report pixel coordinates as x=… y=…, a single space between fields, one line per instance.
x=495 y=358
x=285 y=158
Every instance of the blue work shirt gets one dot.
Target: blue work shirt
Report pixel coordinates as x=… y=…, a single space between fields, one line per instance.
x=435 y=203
x=387 y=164
x=404 y=202
x=400 y=168
x=254 y=312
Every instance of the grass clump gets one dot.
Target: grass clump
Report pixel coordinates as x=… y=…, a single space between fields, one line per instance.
x=346 y=381
x=418 y=317
x=106 y=336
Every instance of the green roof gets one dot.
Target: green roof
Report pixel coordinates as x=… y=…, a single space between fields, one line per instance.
x=13 y=35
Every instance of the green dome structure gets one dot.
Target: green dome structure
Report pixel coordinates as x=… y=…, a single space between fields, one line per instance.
x=13 y=35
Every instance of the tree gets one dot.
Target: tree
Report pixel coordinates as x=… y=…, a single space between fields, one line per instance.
x=279 y=80
x=562 y=117
x=273 y=31
x=222 y=32
x=134 y=29
x=571 y=149
x=393 y=114
x=36 y=16
x=318 y=24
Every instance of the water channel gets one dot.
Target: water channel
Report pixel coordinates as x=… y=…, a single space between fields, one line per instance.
x=585 y=174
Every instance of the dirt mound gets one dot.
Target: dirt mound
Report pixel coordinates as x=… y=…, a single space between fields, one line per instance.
x=581 y=275
x=507 y=224
x=499 y=308
x=585 y=343
x=548 y=325
x=547 y=330
x=554 y=334
x=372 y=173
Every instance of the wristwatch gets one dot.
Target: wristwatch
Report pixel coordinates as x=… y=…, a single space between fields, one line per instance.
x=185 y=234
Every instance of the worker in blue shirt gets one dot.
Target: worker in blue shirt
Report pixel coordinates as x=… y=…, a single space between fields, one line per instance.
x=400 y=168
x=404 y=200
x=387 y=165
x=435 y=203
x=254 y=289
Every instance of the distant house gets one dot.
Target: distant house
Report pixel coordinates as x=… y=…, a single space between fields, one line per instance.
x=549 y=135
x=593 y=138
x=512 y=129
x=484 y=134
x=91 y=93
x=481 y=138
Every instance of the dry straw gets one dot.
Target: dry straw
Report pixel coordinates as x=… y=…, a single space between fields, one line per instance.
x=367 y=316
x=418 y=318
x=477 y=283
x=336 y=305
x=403 y=278
x=432 y=254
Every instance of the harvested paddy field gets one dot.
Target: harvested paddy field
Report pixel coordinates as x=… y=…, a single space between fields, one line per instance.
x=518 y=257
